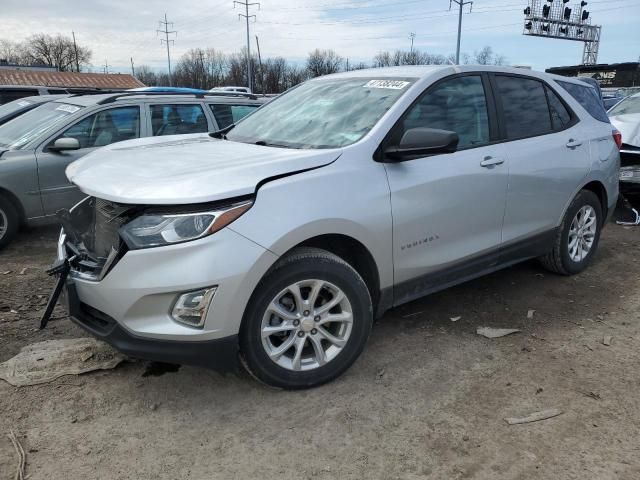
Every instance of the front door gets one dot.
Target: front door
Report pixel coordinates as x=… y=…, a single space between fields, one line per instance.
x=447 y=209
x=94 y=131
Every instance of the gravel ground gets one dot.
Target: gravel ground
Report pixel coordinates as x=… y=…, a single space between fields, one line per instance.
x=427 y=399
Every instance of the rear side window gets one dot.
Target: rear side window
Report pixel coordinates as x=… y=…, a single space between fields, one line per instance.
x=524 y=107
x=177 y=119
x=560 y=116
x=228 y=114
x=588 y=98
x=9 y=95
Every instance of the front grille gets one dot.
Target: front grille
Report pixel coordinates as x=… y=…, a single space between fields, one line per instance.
x=92 y=235
x=95 y=320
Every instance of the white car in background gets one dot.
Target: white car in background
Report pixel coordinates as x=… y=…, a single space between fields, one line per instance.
x=625 y=116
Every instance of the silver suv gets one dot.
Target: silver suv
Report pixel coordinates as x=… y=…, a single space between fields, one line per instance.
x=37 y=146
x=284 y=237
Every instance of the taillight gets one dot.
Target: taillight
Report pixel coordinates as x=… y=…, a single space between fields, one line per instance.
x=617 y=137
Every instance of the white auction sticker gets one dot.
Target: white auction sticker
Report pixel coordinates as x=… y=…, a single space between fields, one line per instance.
x=392 y=84
x=68 y=108
x=23 y=103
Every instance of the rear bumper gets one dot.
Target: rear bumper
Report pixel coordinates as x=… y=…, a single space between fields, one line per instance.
x=220 y=354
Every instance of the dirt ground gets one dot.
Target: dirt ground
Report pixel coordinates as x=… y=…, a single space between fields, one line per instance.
x=427 y=399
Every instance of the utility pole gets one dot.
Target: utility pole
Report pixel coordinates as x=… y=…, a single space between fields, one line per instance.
x=412 y=35
x=133 y=70
x=260 y=63
x=166 y=40
x=246 y=16
x=105 y=68
x=75 y=49
x=461 y=4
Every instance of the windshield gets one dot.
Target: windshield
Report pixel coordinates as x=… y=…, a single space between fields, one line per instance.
x=18 y=132
x=329 y=113
x=628 y=105
x=12 y=107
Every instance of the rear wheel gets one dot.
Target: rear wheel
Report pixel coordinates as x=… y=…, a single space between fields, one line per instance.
x=9 y=222
x=307 y=322
x=577 y=239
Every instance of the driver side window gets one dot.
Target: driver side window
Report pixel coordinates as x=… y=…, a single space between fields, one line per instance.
x=106 y=127
x=458 y=105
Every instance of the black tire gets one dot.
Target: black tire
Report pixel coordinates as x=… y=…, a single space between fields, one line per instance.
x=558 y=260
x=300 y=265
x=9 y=215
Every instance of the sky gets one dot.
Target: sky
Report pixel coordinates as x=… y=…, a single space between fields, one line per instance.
x=116 y=30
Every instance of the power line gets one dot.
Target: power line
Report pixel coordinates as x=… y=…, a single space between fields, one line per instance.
x=246 y=16
x=166 y=40
x=461 y=4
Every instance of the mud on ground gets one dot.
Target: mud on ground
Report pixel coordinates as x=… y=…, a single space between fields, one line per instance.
x=427 y=399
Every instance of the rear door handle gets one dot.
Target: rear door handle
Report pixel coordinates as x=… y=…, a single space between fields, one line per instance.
x=573 y=143
x=491 y=161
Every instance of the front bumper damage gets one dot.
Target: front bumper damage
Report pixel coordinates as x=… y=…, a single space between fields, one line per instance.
x=125 y=298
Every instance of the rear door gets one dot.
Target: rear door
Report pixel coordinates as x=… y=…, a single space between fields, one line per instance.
x=96 y=130
x=177 y=118
x=448 y=208
x=548 y=154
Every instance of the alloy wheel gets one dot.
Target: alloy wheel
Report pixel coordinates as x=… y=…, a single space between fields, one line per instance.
x=306 y=325
x=582 y=233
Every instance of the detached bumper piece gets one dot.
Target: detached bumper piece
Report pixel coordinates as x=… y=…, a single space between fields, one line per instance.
x=220 y=355
x=61 y=268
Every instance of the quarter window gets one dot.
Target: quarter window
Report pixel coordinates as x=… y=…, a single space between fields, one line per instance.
x=178 y=119
x=228 y=114
x=588 y=98
x=457 y=105
x=106 y=127
x=524 y=107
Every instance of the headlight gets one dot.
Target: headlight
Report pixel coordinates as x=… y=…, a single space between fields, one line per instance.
x=157 y=229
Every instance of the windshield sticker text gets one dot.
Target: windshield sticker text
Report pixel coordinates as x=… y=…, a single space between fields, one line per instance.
x=392 y=84
x=68 y=108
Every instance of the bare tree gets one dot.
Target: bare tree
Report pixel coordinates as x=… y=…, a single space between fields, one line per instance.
x=55 y=51
x=11 y=52
x=323 y=62
x=146 y=75
x=486 y=56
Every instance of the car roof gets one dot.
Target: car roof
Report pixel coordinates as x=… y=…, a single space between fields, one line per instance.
x=134 y=97
x=424 y=71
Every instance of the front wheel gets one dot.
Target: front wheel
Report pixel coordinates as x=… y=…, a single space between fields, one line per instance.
x=307 y=322
x=9 y=221
x=577 y=238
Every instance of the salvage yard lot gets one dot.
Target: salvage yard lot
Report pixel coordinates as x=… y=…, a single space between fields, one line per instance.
x=427 y=399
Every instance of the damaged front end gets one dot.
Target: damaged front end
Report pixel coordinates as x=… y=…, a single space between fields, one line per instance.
x=90 y=244
x=90 y=235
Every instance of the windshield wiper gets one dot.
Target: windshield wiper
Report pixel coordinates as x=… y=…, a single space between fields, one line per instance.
x=222 y=133
x=264 y=143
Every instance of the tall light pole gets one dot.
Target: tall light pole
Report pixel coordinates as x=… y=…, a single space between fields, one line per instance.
x=246 y=16
x=412 y=35
x=166 y=40
x=461 y=4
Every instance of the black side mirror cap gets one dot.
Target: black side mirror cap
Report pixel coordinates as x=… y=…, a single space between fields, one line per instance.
x=422 y=141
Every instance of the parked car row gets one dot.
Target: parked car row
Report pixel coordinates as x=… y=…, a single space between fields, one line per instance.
x=48 y=133
x=282 y=236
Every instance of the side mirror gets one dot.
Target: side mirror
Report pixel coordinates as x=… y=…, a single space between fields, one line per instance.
x=65 y=143
x=423 y=141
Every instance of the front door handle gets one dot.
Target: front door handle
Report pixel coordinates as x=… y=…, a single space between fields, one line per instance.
x=573 y=143
x=491 y=161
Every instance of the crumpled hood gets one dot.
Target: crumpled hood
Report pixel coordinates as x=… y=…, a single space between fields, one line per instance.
x=629 y=127
x=183 y=169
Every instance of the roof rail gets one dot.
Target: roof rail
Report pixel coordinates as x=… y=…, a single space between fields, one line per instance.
x=117 y=96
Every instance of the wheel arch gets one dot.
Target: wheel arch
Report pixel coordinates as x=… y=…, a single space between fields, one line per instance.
x=352 y=251
x=13 y=199
x=600 y=191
